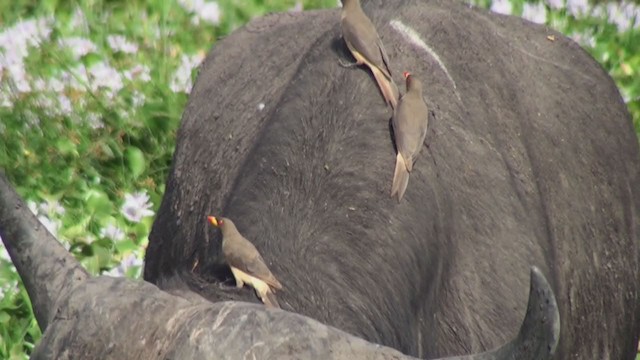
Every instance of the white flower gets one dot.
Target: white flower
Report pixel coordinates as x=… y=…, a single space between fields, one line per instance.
x=51 y=208
x=136 y=206
x=94 y=120
x=55 y=85
x=636 y=10
x=127 y=115
x=578 y=7
x=5 y=102
x=99 y=76
x=32 y=119
x=126 y=263
x=261 y=106
x=39 y=84
x=104 y=76
x=5 y=258
x=78 y=20
x=79 y=46
x=18 y=76
x=137 y=99
x=119 y=43
x=623 y=15
x=34 y=31
x=109 y=94
x=10 y=286
x=501 y=6
x=33 y=207
x=116 y=271
x=555 y=4
x=60 y=105
x=202 y=10
x=88 y=239
x=45 y=102
x=298 y=7
x=64 y=105
x=112 y=232
x=189 y=5
x=599 y=11
x=210 y=12
x=51 y=225
x=584 y=39
x=46 y=213
x=4 y=255
x=181 y=81
x=76 y=78
x=536 y=13
x=138 y=72
x=14 y=47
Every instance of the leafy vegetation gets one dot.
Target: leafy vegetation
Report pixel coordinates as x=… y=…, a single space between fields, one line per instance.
x=92 y=91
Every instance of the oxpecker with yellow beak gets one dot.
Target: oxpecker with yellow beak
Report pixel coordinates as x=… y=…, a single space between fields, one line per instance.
x=247 y=265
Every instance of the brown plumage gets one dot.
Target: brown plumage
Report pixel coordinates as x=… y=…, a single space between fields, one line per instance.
x=366 y=47
x=246 y=263
x=410 y=123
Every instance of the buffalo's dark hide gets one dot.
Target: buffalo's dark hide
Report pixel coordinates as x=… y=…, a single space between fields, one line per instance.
x=531 y=160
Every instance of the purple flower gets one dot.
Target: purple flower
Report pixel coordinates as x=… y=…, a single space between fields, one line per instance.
x=136 y=206
x=112 y=232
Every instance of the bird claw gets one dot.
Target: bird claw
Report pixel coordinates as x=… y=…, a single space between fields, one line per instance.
x=225 y=287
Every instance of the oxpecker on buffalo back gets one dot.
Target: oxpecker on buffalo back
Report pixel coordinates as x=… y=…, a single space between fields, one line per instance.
x=366 y=47
x=410 y=123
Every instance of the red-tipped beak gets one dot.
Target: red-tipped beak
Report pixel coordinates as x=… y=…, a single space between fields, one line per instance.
x=213 y=220
x=406 y=74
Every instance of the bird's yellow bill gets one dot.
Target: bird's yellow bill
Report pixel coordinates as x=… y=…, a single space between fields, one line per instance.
x=213 y=220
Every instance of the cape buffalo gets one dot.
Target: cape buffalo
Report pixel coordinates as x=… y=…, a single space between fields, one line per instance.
x=530 y=159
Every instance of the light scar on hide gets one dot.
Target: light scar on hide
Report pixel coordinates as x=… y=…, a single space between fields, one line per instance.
x=414 y=38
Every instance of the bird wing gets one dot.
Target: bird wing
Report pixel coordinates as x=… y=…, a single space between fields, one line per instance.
x=385 y=58
x=242 y=254
x=361 y=36
x=410 y=127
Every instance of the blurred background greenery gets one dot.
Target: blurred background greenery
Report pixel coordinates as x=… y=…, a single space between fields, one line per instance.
x=91 y=95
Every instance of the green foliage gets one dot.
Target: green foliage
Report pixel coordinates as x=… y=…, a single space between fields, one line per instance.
x=90 y=144
x=18 y=328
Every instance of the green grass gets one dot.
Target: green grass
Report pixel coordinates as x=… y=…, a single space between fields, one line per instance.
x=77 y=151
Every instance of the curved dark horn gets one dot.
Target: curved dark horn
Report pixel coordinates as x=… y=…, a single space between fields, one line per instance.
x=540 y=330
x=47 y=269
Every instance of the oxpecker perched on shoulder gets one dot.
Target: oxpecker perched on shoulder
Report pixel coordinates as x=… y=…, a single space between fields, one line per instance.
x=246 y=263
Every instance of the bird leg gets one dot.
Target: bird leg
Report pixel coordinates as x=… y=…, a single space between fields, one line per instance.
x=348 y=64
x=225 y=287
x=236 y=275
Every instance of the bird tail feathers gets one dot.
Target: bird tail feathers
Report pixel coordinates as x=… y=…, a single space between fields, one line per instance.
x=270 y=299
x=400 y=178
x=265 y=293
x=387 y=87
